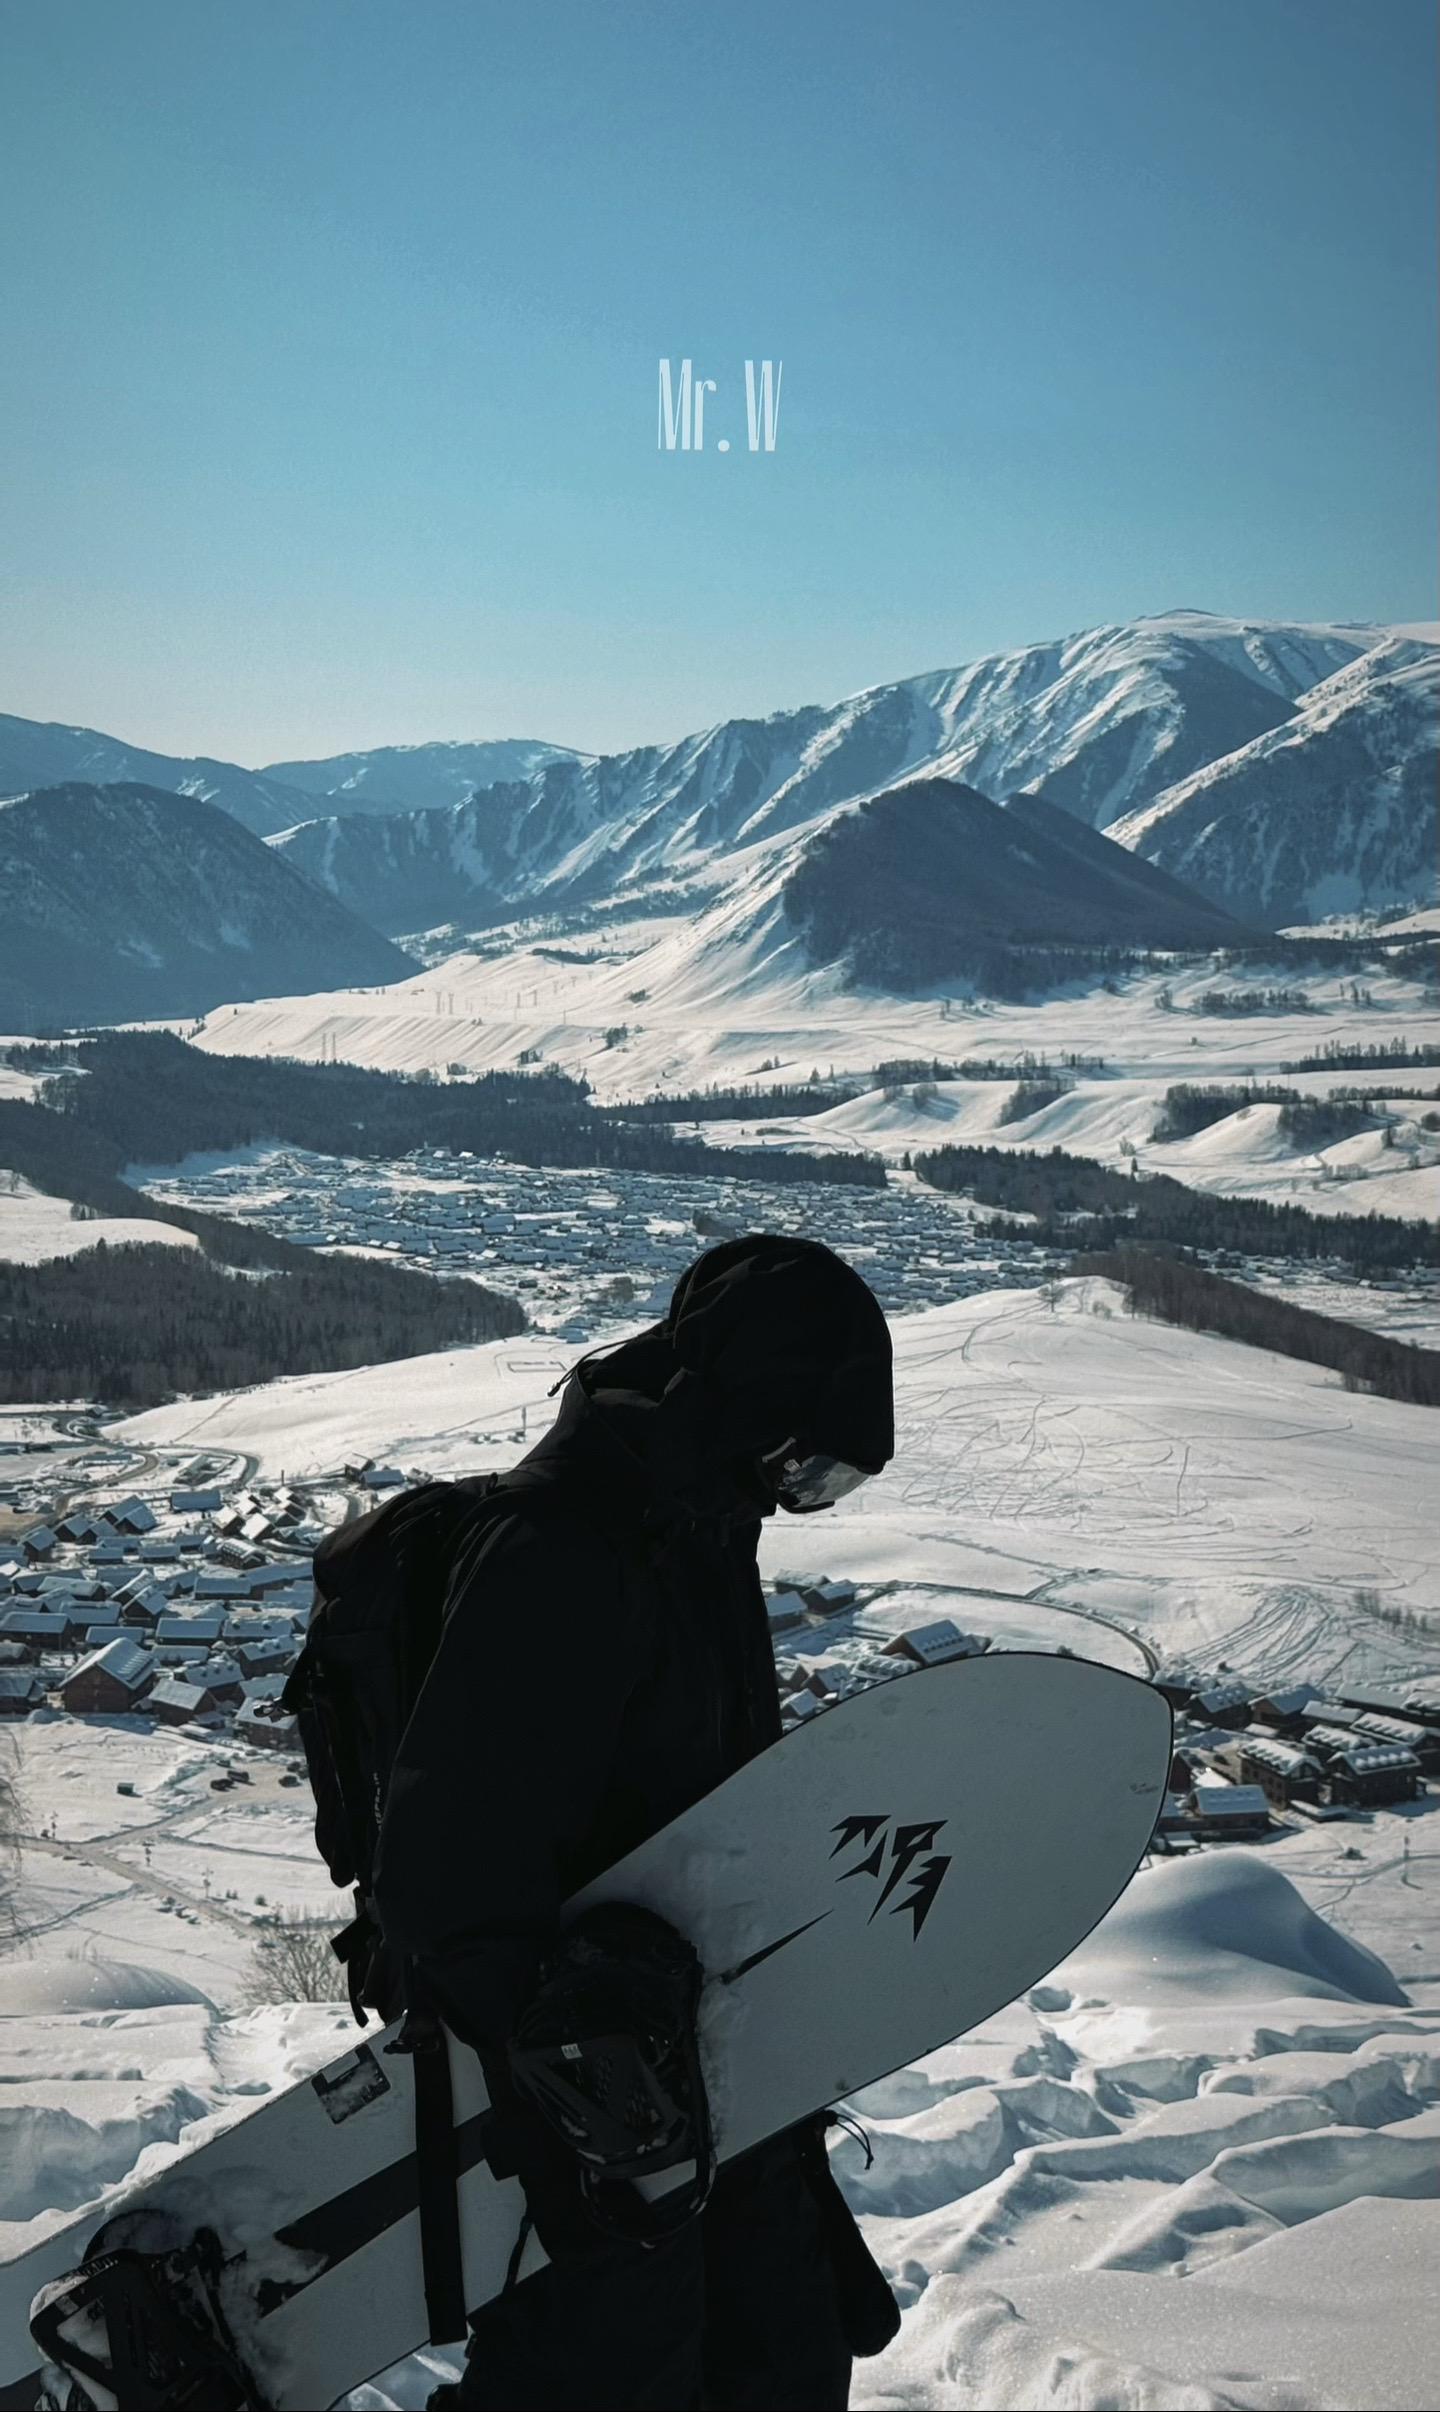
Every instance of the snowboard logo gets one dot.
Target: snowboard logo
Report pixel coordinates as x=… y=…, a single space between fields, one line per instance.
x=891 y=1853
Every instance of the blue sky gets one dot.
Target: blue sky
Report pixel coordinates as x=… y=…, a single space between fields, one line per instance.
x=329 y=408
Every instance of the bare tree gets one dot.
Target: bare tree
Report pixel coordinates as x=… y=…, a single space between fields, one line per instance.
x=293 y=1962
x=12 y=1824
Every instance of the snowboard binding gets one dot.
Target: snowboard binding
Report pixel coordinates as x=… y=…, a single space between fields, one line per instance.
x=607 y=2053
x=133 y=2330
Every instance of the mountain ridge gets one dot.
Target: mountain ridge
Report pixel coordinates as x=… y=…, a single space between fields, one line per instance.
x=437 y=772
x=1348 y=789
x=1279 y=770
x=1104 y=723
x=36 y=754
x=933 y=882
x=127 y=903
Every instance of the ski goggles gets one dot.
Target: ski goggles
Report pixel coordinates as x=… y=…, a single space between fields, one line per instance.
x=806 y=1479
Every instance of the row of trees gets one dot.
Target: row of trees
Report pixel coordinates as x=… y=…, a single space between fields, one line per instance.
x=136 y=1324
x=1189 y=1107
x=1078 y=1203
x=1320 y=1121
x=1342 y=1055
x=1174 y=1291
x=1242 y=1001
x=746 y=1101
x=1028 y=1096
x=742 y=1101
x=149 y=1097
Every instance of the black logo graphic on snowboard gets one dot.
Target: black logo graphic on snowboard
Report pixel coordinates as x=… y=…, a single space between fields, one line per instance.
x=905 y=1847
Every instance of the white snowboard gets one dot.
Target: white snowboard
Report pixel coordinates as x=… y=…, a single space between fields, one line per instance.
x=892 y=1874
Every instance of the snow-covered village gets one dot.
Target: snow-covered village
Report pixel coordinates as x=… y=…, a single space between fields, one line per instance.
x=720 y=1207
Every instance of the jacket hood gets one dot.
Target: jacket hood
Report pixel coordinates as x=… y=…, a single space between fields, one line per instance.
x=767 y=1339
x=791 y=1343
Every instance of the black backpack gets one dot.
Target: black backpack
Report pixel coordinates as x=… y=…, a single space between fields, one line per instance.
x=374 y=1628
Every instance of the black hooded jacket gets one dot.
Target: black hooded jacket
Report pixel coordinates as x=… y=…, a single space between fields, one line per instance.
x=605 y=1659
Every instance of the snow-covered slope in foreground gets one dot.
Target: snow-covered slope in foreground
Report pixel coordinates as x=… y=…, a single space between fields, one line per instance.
x=1199 y=2167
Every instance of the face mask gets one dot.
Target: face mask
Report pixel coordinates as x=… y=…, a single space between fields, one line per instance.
x=804 y=1480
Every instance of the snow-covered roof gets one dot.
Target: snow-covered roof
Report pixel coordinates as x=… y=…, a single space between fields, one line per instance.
x=1286 y=1757
x=268 y=1714
x=785 y=1607
x=1222 y=1696
x=1383 y=1698
x=943 y=1639
x=1363 y=1758
x=276 y=1577
x=127 y=1662
x=132 y=1512
x=1378 y=1728
x=1290 y=1701
x=1331 y=1738
x=174 y=1691
x=42 y=1624
x=1231 y=1800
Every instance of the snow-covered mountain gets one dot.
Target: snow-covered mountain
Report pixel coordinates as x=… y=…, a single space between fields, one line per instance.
x=1334 y=811
x=931 y=881
x=391 y=778
x=121 y=902
x=1287 y=770
x=45 y=753
x=1104 y=723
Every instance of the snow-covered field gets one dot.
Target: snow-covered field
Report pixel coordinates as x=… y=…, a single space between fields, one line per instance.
x=699 y=1006
x=1392 y=1167
x=731 y=1008
x=34 y=1227
x=1233 y=1502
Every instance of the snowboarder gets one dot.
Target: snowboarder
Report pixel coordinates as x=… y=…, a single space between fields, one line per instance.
x=616 y=1667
